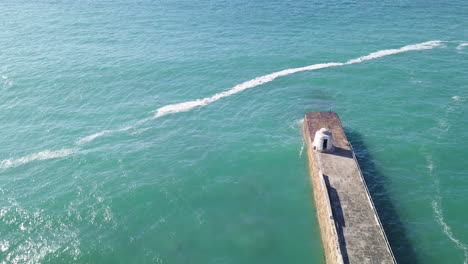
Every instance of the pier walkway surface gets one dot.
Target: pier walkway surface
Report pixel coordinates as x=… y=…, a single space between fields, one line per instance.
x=349 y=224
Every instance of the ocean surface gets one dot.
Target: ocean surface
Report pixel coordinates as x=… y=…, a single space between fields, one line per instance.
x=170 y=131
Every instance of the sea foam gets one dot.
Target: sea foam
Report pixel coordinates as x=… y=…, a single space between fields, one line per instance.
x=382 y=53
x=436 y=206
x=462 y=45
x=90 y=138
x=189 y=105
x=43 y=155
x=444 y=127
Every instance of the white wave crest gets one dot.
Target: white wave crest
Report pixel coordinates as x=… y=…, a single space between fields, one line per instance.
x=302 y=148
x=186 y=106
x=92 y=137
x=189 y=105
x=378 y=54
x=462 y=45
x=43 y=155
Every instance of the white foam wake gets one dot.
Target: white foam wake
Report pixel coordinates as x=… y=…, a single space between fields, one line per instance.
x=444 y=127
x=189 y=105
x=186 y=106
x=462 y=45
x=302 y=148
x=436 y=205
x=43 y=155
x=90 y=138
x=382 y=53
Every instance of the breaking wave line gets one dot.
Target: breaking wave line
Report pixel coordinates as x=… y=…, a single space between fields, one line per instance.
x=43 y=155
x=90 y=138
x=302 y=148
x=462 y=45
x=189 y=105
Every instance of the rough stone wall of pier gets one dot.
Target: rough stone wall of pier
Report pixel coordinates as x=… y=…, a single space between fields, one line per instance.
x=326 y=222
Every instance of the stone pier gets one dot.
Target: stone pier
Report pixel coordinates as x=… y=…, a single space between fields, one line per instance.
x=350 y=228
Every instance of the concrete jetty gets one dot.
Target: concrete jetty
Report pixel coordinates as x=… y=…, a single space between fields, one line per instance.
x=350 y=228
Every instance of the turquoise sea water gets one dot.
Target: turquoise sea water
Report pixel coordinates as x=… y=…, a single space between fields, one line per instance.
x=107 y=156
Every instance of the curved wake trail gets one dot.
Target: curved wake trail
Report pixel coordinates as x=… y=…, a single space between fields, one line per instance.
x=439 y=215
x=90 y=138
x=43 y=155
x=462 y=45
x=189 y=105
x=444 y=126
x=436 y=205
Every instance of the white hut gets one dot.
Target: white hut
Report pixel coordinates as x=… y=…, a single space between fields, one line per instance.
x=323 y=140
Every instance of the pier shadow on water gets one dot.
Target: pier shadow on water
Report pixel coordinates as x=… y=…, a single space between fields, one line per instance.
x=394 y=227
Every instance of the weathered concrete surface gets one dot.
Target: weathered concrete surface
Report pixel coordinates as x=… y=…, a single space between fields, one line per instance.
x=358 y=233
